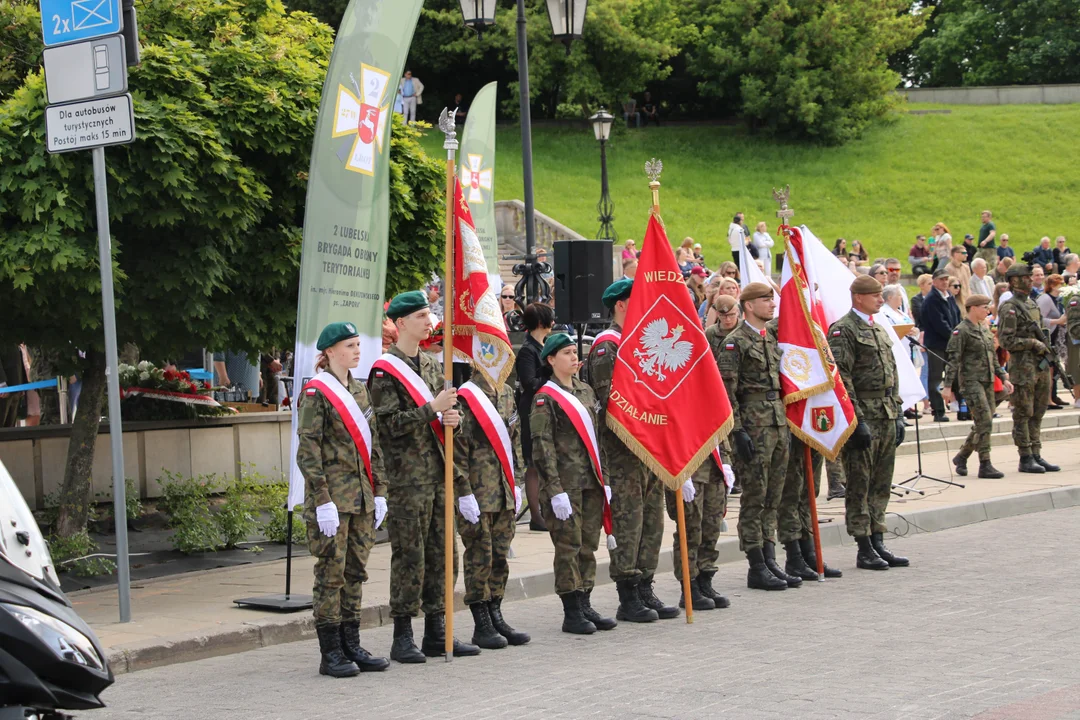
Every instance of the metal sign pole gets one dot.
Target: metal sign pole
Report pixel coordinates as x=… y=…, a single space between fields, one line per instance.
x=116 y=439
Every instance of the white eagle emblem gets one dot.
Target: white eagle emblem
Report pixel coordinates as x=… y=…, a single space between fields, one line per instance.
x=661 y=351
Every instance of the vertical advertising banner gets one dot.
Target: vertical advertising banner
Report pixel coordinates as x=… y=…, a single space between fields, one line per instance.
x=347 y=216
x=477 y=175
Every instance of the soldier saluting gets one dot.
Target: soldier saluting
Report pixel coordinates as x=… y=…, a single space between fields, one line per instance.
x=973 y=361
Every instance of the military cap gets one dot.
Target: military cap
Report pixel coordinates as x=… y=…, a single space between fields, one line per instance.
x=723 y=303
x=865 y=285
x=334 y=333
x=940 y=273
x=406 y=303
x=1018 y=270
x=974 y=300
x=616 y=291
x=755 y=290
x=554 y=343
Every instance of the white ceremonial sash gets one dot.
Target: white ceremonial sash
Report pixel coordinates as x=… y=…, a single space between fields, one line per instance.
x=349 y=411
x=580 y=419
x=414 y=384
x=608 y=335
x=493 y=425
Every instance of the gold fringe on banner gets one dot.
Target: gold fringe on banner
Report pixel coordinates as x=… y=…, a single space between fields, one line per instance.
x=672 y=482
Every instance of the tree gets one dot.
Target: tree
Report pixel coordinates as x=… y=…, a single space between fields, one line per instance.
x=813 y=69
x=1000 y=42
x=206 y=207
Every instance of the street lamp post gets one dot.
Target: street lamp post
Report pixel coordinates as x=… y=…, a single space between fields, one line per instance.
x=567 y=19
x=601 y=123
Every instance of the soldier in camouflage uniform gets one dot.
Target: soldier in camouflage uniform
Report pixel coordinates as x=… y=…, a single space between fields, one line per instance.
x=416 y=496
x=973 y=362
x=750 y=365
x=637 y=495
x=343 y=506
x=706 y=487
x=488 y=501
x=727 y=313
x=795 y=526
x=1020 y=332
x=571 y=493
x=863 y=355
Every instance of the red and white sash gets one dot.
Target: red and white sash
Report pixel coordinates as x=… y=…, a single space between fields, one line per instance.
x=582 y=422
x=350 y=414
x=608 y=335
x=414 y=385
x=493 y=425
x=716 y=457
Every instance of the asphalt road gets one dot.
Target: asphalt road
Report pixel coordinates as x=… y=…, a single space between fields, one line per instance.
x=983 y=625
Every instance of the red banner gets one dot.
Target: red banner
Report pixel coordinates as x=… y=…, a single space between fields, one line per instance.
x=667 y=402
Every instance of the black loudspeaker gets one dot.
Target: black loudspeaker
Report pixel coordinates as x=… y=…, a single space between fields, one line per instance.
x=583 y=270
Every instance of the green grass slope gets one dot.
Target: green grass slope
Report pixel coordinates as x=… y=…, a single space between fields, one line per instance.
x=1022 y=162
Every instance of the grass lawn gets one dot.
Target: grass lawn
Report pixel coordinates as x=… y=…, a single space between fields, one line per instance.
x=1022 y=162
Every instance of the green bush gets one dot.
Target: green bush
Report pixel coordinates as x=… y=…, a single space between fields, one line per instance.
x=237 y=519
x=132 y=502
x=187 y=502
x=69 y=554
x=276 y=528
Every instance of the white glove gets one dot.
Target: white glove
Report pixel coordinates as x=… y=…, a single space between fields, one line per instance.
x=380 y=511
x=560 y=505
x=469 y=508
x=729 y=476
x=327 y=517
x=517 y=500
x=607 y=493
x=688 y=491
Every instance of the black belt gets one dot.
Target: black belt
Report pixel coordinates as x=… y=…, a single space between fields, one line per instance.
x=870 y=394
x=751 y=397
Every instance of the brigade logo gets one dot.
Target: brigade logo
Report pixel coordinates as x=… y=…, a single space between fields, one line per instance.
x=476 y=178
x=796 y=362
x=822 y=418
x=664 y=347
x=363 y=117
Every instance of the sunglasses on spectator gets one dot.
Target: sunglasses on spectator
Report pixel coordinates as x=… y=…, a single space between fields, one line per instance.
x=507 y=297
x=955 y=287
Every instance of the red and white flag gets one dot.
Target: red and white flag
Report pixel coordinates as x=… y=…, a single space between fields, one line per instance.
x=819 y=410
x=479 y=332
x=667 y=401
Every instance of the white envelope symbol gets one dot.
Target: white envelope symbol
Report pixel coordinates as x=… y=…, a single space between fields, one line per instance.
x=87 y=14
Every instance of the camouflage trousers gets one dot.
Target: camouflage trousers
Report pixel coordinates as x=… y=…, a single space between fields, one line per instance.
x=576 y=538
x=762 y=482
x=703 y=518
x=341 y=567
x=869 y=479
x=989 y=255
x=835 y=472
x=981 y=402
x=416 y=527
x=487 y=545
x=795 y=521
x=637 y=519
x=1029 y=405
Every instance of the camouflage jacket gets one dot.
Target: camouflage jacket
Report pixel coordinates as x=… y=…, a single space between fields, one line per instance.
x=1072 y=322
x=477 y=470
x=750 y=366
x=1020 y=332
x=559 y=453
x=617 y=459
x=715 y=335
x=408 y=439
x=328 y=458
x=863 y=355
x=971 y=356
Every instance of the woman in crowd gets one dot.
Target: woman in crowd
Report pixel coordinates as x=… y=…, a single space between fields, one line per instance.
x=728 y=286
x=1060 y=251
x=511 y=315
x=712 y=288
x=859 y=251
x=764 y=243
x=728 y=269
x=685 y=255
x=629 y=251
x=839 y=249
x=539 y=319
x=999 y=289
x=696 y=284
x=1053 y=316
x=941 y=246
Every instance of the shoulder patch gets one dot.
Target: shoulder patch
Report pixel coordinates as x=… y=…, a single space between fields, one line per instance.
x=1012 y=312
x=729 y=346
x=955 y=332
x=601 y=351
x=368 y=412
x=539 y=402
x=311 y=391
x=1074 y=302
x=379 y=374
x=836 y=333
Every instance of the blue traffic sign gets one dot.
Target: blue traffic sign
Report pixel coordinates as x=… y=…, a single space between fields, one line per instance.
x=66 y=21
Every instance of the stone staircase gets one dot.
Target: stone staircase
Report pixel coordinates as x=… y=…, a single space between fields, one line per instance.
x=1061 y=424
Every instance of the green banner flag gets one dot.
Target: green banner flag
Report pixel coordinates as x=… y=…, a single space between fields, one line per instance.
x=477 y=175
x=347 y=216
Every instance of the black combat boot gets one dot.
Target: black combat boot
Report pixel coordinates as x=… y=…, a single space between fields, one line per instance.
x=1028 y=465
x=333 y=661
x=759 y=577
x=573 y=619
x=484 y=633
x=649 y=600
x=404 y=650
x=877 y=540
x=601 y=622
x=514 y=637
x=704 y=581
x=350 y=645
x=768 y=550
x=1045 y=465
x=868 y=559
x=698 y=601
x=986 y=470
x=434 y=642
x=796 y=563
x=960 y=461
x=631 y=608
x=808 y=553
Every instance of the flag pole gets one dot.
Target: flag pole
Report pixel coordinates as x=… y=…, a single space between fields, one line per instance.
x=785 y=214
x=653 y=169
x=450 y=144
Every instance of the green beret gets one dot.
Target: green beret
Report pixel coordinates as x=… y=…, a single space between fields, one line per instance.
x=1018 y=270
x=554 y=343
x=406 y=303
x=974 y=300
x=865 y=285
x=616 y=291
x=334 y=333
x=755 y=290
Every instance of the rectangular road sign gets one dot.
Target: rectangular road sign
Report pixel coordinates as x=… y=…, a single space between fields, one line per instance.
x=86 y=69
x=66 y=21
x=89 y=124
